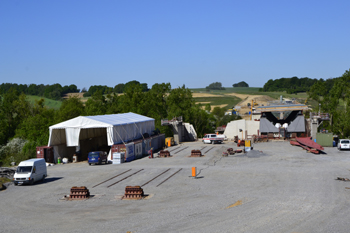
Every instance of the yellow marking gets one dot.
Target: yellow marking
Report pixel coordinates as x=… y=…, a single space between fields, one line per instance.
x=239 y=202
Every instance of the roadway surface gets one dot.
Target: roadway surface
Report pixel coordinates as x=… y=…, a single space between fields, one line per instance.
x=274 y=188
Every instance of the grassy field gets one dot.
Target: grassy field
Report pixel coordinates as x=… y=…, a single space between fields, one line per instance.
x=239 y=90
x=220 y=100
x=55 y=104
x=250 y=91
x=222 y=97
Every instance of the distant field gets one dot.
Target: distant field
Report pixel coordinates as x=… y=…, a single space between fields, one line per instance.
x=221 y=97
x=214 y=97
x=240 y=90
x=55 y=104
x=228 y=101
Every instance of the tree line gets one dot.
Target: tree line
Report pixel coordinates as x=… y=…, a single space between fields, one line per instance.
x=290 y=85
x=333 y=96
x=25 y=125
x=218 y=85
x=119 y=88
x=55 y=91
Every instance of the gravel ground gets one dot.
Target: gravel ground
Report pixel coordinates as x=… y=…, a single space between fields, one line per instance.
x=274 y=188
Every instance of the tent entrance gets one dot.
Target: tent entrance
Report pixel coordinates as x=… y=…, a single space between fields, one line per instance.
x=97 y=141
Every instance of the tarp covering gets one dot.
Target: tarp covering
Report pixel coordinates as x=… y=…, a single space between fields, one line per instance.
x=119 y=128
x=267 y=126
x=298 y=125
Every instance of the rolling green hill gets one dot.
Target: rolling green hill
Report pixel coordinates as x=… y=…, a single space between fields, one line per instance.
x=55 y=104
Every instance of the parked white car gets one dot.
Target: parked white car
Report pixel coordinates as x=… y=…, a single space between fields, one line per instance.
x=344 y=144
x=212 y=138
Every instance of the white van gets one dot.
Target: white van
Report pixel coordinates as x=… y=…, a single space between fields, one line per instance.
x=30 y=171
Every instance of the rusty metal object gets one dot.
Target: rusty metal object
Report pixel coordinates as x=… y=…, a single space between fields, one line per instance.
x=241 y=143
x=133 y=192
x=230 y=151
x=79 y=193
x=238 y=151
x=343 y=179
x=196 y=153
x=164 y=154
x=224 y=154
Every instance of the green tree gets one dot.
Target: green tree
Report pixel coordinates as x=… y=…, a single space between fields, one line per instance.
x=241 y=84
x=34 y=128
x=13 y=109
x=112 y=104
x=202 y=121
x=134 y=99
x=96 y=105
x=215 y=86
x=119 y=88
x=180 y=103
x=157 y=106
x=335 y=102
x=70 y=108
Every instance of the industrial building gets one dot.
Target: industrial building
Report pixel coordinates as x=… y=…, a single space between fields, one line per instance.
x=127 y=132
x=275 y=121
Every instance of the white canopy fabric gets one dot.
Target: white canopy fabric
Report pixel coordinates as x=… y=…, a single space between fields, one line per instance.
x=119 y=128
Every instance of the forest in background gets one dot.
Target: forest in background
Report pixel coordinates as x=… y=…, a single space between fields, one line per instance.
x=25 y=125
x=293 y=85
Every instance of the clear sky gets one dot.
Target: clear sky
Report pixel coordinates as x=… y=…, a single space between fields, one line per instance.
x=191 y=42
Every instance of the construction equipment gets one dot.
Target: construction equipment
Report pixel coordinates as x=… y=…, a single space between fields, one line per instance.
x=169 y=141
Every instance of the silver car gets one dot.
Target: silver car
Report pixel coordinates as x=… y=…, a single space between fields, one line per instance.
x=344 y=144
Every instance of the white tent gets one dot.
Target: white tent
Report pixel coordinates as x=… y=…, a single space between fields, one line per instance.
x=119 y=128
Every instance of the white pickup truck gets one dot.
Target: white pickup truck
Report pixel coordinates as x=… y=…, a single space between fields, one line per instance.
x=213 y=138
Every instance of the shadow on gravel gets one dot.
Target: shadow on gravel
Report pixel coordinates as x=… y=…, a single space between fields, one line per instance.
x=252 y=154
x=48 y=180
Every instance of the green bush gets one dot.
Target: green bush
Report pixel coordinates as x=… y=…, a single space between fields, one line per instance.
x=12 y=152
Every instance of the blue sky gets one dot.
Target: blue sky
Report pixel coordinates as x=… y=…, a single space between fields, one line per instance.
x=191 y=42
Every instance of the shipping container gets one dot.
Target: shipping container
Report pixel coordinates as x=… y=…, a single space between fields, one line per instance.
x=161 y=141
x=146 y=146
x=130 y=152
x=154 y=142
x=138 y=149
x=324 y=139
x=45 y=152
